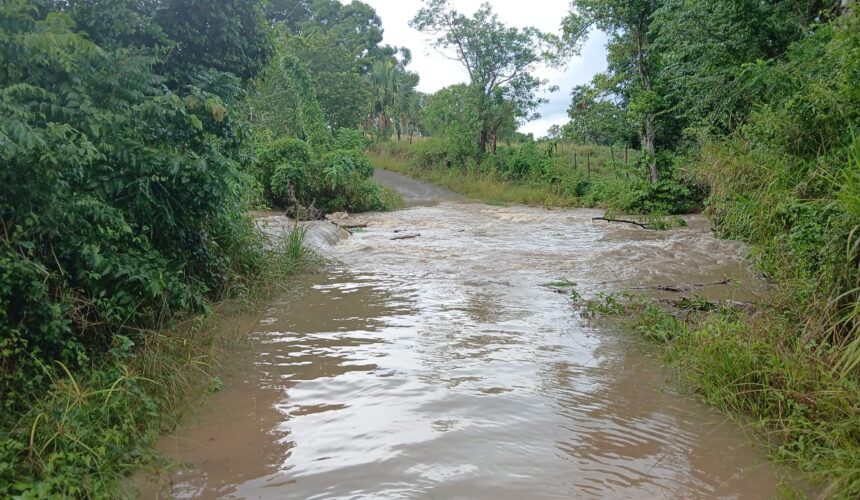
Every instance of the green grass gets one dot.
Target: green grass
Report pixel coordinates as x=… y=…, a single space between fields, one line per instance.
x=94 y=427
x=753 y=364
x=536 y=176
x=484 y=187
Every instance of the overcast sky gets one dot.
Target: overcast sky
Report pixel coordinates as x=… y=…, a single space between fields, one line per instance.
x=437 y=71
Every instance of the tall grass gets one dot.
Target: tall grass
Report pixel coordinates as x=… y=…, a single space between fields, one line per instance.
x=96 y=425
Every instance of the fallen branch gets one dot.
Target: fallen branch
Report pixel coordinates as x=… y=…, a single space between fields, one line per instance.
x=406 y=236
x=682 y=288
x=623 y=221
x=350 y=225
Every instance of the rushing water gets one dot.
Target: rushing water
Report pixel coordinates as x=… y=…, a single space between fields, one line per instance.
x=441 y=367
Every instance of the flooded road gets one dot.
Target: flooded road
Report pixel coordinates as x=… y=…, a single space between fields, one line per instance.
x=442 y=367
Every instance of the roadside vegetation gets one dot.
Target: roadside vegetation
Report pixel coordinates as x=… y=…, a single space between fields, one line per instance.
x=135 y=136
x=778 y=149
x=553 y=174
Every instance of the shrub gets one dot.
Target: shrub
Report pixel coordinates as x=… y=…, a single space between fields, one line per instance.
x=351 y=140
x=280 y=162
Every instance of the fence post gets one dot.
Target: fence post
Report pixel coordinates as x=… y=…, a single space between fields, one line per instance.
x=589 y=164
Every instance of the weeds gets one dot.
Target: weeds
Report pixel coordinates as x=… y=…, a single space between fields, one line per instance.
x=532 y=177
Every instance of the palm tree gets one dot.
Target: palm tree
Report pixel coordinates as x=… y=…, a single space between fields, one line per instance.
x=394 y=98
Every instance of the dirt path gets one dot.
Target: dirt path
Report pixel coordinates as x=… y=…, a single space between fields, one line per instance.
x=415 y=193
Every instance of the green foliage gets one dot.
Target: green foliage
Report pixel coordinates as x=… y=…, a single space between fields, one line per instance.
x=309 y=184
x=230 y=36
x=284 y=102
x=121 y=209
x=782 y=181
x=499 y=59
x=548 y=176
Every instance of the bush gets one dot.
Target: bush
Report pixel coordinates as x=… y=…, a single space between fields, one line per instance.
x=310 y=186
x=280 y=162
x=787 y=183
x=351 y=140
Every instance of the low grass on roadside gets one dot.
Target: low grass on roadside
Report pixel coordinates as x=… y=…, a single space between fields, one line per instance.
x=536 y=176
x=95 y=426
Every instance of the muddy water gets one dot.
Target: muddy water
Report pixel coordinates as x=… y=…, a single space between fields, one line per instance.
x=440 y=367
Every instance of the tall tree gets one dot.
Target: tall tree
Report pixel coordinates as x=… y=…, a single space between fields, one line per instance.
x=704 y=46
x=499 y=59
x=631 y=58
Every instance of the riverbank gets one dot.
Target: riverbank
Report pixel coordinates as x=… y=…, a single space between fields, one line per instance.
x=95 y=425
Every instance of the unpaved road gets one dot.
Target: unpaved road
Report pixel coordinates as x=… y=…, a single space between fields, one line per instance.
x=442 y=367
x=414 y=192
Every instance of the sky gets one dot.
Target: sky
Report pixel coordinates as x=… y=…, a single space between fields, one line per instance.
x=437 y=71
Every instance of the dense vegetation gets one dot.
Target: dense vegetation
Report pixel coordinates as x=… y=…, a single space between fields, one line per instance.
x=760 y=101
x=134 y=136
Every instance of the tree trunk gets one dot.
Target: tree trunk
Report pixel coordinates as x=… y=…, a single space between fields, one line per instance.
x=482 y=142
x=648 y=143
x=495 y=137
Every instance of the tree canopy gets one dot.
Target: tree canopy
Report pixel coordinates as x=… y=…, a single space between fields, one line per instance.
x=499 y=59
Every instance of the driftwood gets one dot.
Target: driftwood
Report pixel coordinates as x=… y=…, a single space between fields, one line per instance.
x=406 y=236
x=350 y=225
x=682 y=288
x=622 y=221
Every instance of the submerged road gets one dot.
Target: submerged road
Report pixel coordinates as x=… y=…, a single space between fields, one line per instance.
x=443 y=367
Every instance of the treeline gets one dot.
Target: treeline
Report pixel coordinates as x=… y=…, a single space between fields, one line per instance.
x=134 y=137
x=471 y=128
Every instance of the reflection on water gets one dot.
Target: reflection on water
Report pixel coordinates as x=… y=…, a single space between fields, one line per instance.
x=440 y=367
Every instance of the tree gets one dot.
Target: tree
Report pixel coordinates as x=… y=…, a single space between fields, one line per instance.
x=226 y=35
x=284 y=102
x=343 y=93
x=499 y=60
x=597 y=119
x=703 y=46
x=395 y=99
x=632 y=69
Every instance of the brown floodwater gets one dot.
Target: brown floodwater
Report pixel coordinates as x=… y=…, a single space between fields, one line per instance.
x=441 y=367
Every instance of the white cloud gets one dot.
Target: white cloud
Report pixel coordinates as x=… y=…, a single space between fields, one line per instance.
x=438 y=71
